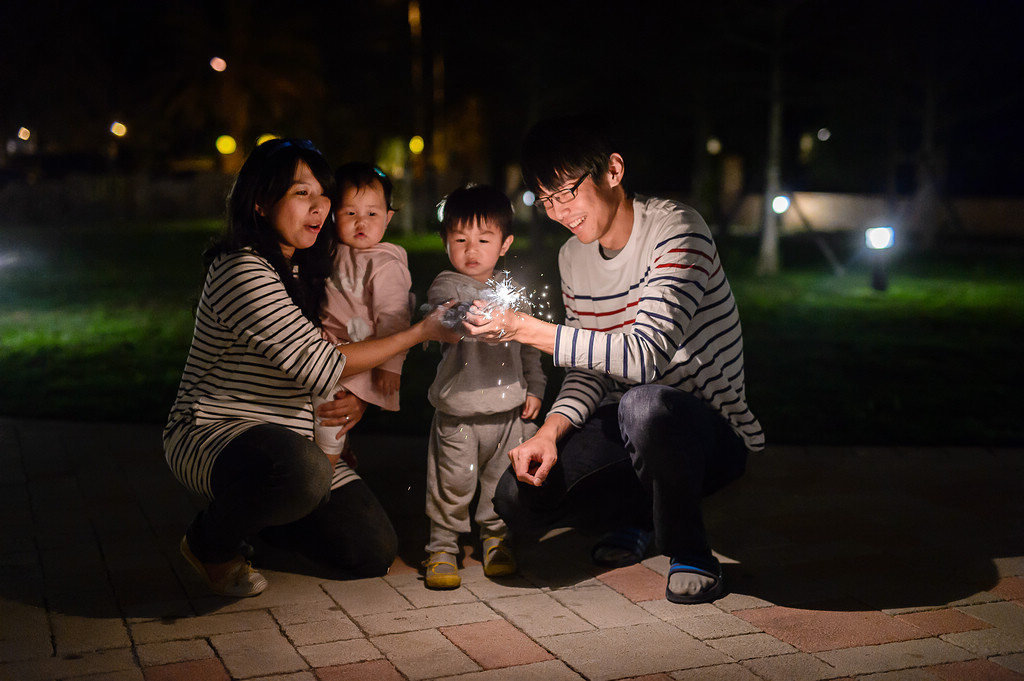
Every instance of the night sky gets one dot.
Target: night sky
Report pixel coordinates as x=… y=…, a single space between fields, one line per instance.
x=889 y=79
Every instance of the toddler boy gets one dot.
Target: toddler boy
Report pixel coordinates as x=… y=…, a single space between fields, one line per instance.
x=485 y=395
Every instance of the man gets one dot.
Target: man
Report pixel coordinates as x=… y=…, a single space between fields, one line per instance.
x=652 y=414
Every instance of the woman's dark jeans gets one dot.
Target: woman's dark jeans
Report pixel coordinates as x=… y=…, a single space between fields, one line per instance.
x=273 y=479
x=646 y=462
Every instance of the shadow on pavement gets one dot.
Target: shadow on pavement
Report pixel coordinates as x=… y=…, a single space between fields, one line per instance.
x=843 y=529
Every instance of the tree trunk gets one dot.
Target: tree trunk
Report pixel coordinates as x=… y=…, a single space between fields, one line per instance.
x=768 y=259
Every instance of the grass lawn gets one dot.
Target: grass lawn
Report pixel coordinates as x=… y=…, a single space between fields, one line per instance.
x=95 y=323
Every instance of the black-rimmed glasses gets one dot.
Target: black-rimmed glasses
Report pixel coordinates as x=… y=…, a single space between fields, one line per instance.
x=561 y=196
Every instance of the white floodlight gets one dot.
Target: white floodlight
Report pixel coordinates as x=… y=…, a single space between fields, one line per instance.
x=780 y=204
x=879 y=238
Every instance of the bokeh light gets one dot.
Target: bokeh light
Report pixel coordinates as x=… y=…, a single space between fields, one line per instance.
x=218 y=64
x=878 y=238
x=806 y=144
x=528 y=198
x=118 y=129
x=24 y=134
x=266 y=137
x=824 y=134
x=780 y=204
x=416 y=144
x=227 y=145
x=714 y=146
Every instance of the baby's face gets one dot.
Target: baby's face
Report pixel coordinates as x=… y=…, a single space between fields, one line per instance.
x=474 y=248
x=362 y=215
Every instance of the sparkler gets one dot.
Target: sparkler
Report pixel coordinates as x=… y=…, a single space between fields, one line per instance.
x=501 y=295
x=505 y=295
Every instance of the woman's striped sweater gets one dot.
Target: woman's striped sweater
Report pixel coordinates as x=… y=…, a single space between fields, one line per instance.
x=254 y=359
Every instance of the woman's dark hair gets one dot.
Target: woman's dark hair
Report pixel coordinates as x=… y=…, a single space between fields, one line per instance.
x=264 y=179
x=558 y=150
x=476 y=202
x=361 y=176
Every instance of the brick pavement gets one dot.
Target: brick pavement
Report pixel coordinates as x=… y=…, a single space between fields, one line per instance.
x=842 y=563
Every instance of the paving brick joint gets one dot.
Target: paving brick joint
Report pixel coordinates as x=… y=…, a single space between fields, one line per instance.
x=841 y=562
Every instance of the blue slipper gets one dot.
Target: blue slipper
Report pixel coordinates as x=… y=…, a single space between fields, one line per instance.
x=712 y=592
x=626 y=546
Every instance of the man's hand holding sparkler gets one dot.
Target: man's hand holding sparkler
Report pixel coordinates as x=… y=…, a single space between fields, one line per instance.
x=492 y=323
x=504 y=314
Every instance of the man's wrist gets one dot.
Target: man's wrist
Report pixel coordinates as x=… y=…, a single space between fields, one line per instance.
x=554 y=427
x=536 y=333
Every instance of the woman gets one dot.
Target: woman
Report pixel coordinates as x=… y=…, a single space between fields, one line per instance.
x=240 y=431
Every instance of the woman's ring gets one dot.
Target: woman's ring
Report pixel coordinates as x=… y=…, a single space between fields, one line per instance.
x=347 y=417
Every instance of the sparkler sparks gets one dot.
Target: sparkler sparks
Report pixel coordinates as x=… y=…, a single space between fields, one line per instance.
x=505 y=294
x=501 y=295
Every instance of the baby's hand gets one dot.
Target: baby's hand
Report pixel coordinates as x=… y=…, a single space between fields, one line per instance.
x=531 y=408
x=387 y=382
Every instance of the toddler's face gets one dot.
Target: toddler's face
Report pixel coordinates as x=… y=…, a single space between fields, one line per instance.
x=474 y=248
x=362 y=215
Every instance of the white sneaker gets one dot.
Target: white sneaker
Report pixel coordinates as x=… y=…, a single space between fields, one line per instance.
x=238 y=578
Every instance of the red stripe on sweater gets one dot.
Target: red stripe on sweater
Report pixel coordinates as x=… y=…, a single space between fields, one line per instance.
x=582 y=313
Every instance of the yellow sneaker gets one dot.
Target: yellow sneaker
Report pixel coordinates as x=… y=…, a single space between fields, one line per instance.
x=498 y=558
x=442 y=572
x=235 y=578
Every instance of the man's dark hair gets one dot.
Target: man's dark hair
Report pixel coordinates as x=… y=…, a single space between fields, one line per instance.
x=474 y=202
x=559 y=150
x=363 y=175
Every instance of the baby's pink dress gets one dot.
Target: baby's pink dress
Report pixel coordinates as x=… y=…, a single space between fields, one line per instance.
x=368 y=297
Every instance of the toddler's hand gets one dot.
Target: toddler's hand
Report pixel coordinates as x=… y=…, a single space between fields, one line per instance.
x=387 y=382
x=531 y=408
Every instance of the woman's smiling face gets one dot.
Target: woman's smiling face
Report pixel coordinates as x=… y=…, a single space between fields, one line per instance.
x=298 y=215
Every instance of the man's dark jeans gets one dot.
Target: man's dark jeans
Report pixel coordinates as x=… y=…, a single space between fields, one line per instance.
x=646 y=462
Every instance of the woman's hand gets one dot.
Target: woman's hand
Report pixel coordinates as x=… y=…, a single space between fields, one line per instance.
x=435 y=327
x=344 y=410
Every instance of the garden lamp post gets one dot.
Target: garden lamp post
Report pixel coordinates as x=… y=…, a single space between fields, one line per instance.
x=879 y=241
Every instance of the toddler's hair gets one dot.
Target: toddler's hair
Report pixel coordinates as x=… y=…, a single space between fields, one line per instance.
x=363 y=175
x=474 y=202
